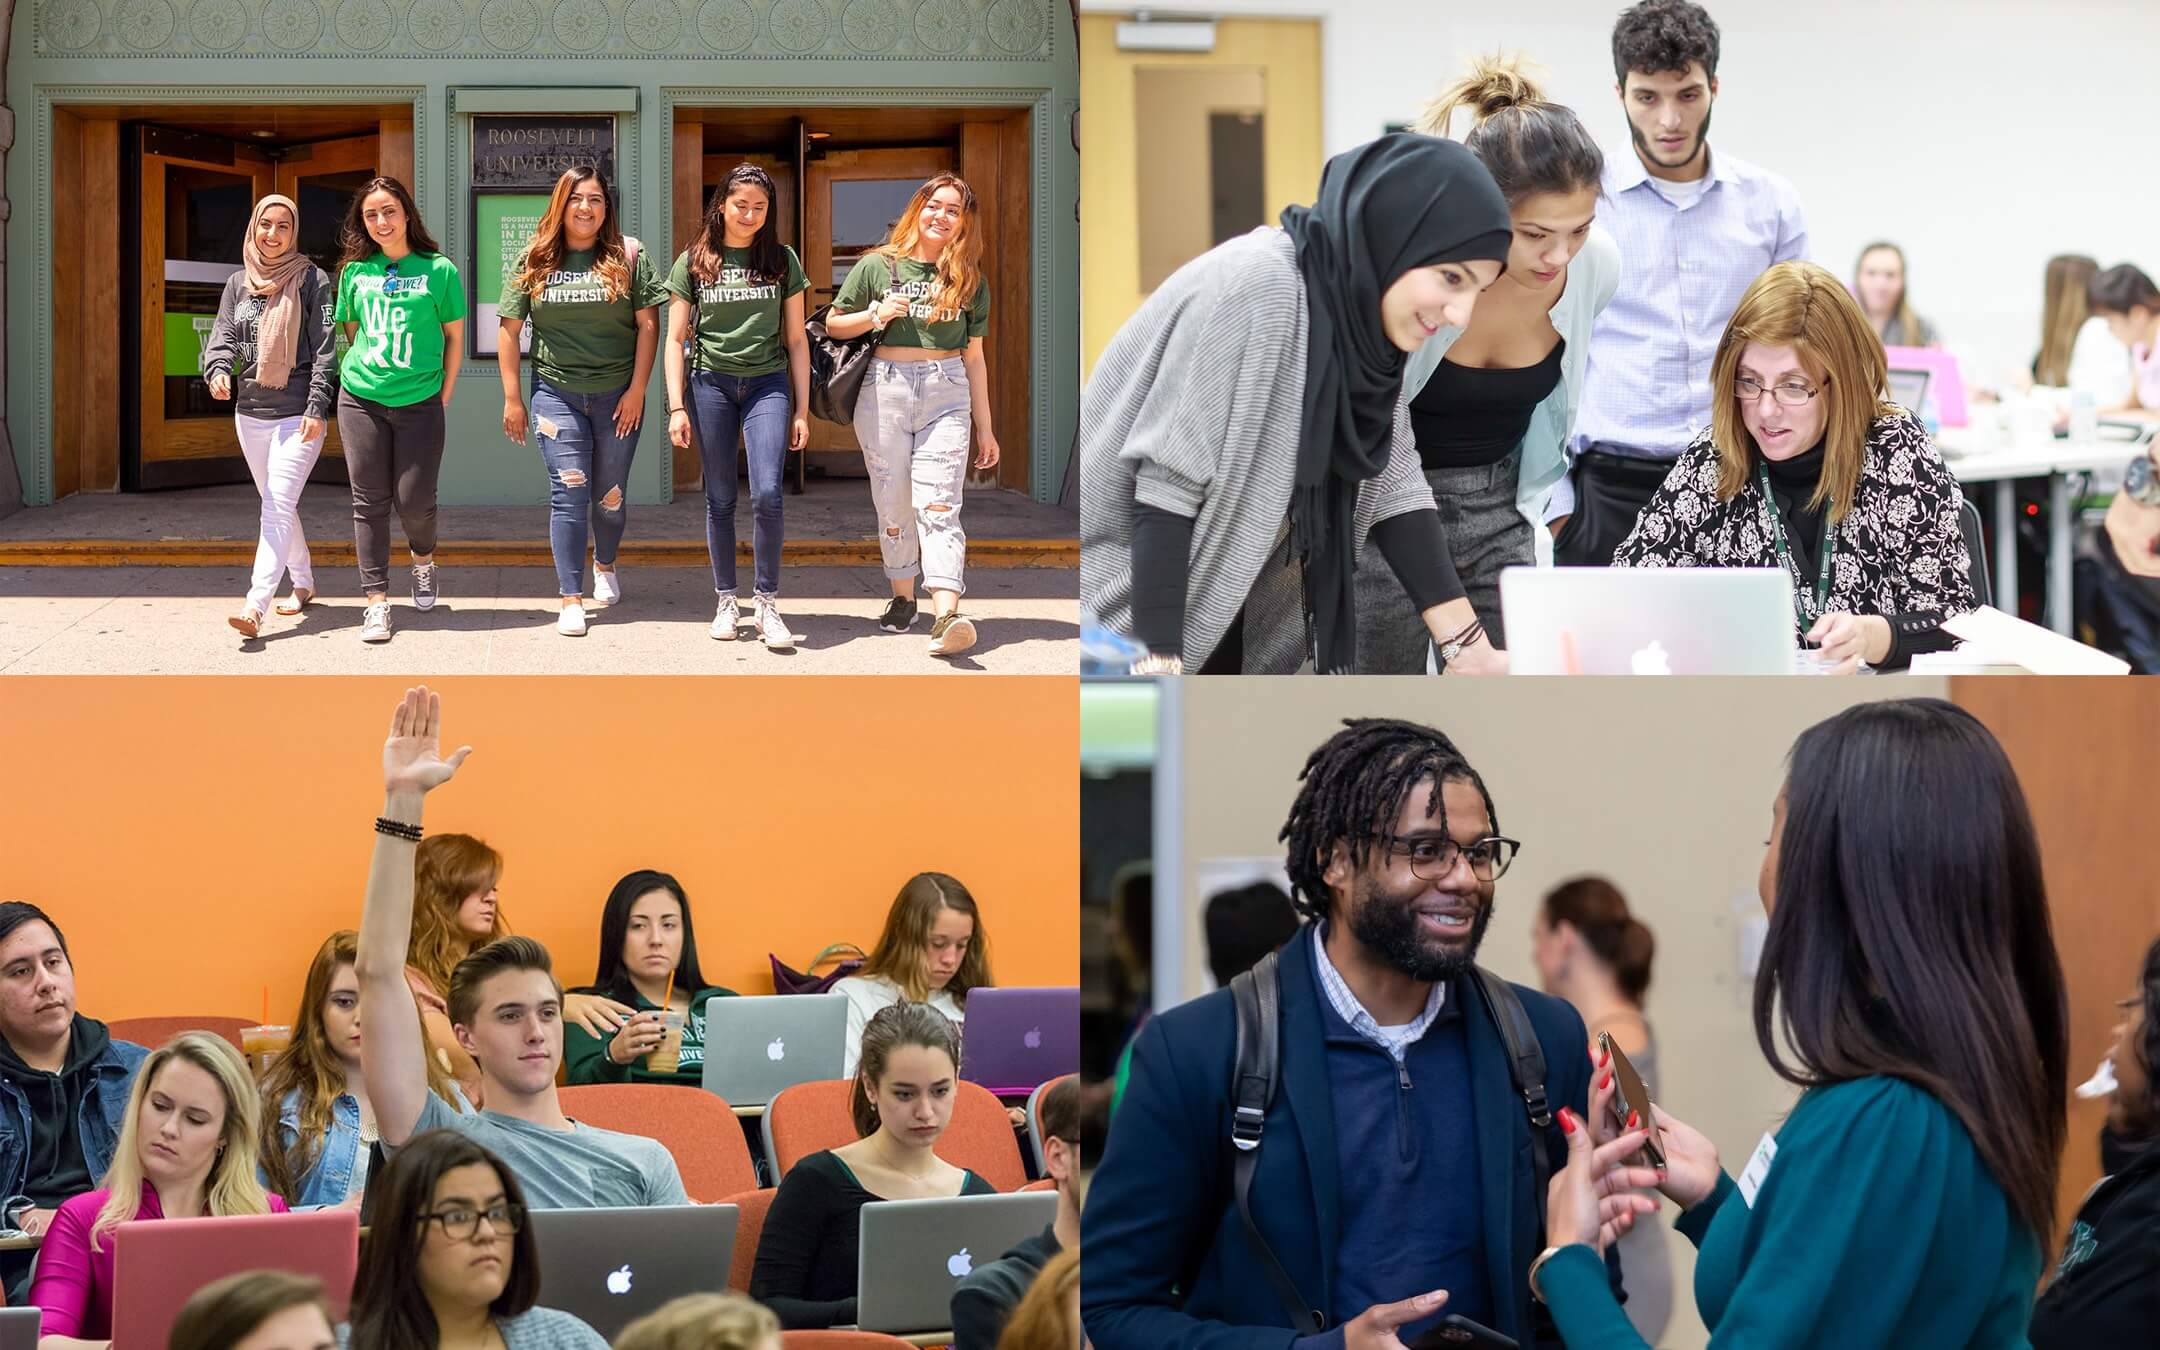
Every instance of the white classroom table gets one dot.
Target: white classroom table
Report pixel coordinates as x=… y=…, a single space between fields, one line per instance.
x=2014 y=457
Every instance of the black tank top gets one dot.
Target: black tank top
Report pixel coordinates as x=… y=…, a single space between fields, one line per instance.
x=1466 y=417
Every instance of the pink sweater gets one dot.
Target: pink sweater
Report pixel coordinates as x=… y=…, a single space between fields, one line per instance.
x=74 y=1285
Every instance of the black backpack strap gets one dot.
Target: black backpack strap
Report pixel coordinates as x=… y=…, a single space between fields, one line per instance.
x=1258 y=995
x=1526 y=1061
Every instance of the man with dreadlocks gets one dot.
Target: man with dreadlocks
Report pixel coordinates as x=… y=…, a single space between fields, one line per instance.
x=1394 y=1180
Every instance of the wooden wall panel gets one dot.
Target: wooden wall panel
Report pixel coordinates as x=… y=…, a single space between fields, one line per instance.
x=394 y=150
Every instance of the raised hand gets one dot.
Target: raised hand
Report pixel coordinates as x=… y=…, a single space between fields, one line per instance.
x=412 y=758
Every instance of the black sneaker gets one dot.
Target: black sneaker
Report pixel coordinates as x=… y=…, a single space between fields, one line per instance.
x=952 y=634
x=899 y=616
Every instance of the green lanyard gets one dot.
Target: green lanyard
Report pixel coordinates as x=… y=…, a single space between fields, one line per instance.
x=1808 y=612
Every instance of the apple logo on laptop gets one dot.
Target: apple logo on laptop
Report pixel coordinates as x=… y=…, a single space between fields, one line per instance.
x=777 y=1051
x=1033 y=1040
x=618 y=1281
x=1651 y=660
x=959 y=1263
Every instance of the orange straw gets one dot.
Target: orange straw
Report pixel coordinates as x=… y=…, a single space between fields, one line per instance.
x=668 y=997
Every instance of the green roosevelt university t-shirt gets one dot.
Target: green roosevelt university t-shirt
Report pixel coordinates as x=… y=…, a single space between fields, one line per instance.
x=738 y=316
x=396 y=358
x=583 y=342
x=870 y=279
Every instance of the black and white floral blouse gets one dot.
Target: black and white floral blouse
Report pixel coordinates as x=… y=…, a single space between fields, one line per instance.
x=1900 y=553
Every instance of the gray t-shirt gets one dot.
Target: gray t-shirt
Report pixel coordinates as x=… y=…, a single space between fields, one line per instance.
x=536 y=1329
x=585 y=1168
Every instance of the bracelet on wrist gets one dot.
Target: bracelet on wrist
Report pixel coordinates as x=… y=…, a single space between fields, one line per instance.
x=397 y=829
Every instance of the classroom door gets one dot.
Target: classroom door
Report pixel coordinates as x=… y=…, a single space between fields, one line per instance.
x=322 y=177
x=852 y=199
x=197 y=194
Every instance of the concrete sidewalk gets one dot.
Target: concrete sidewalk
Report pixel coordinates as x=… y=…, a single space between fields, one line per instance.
x=501 y=620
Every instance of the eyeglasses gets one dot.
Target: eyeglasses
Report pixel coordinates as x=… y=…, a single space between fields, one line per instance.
x=459 y=1224
x=1433 y=857
x=1791 y=393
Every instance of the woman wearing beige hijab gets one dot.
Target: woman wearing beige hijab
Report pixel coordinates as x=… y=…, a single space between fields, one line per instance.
x=270 y=352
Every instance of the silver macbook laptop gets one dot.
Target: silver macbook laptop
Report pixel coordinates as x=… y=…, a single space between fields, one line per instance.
x=915 y=1252
x=754 y=1047
x=613 y=1266
x=1908 y=388
x=1648 y=620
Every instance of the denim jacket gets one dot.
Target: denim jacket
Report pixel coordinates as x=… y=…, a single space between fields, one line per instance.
x=327 y=1182
x=104 y=1109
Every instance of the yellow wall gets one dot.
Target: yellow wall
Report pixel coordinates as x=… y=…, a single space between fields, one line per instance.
x=1287 y=51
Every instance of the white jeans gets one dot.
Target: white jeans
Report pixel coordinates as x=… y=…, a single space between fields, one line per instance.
x=280 y=462
x=913 y=421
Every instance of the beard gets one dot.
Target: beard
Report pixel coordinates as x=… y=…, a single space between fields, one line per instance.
x=1388 y=925
x=1649 y=152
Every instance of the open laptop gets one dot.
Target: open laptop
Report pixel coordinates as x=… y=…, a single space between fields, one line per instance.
x=754 y=1047
x=19 y=1328
x=1947 y=383
x=1908 y=388
x=1014 y=1040
x=158 y=1266
x=613 y=1266
x=916 y=1252
x=1648 y=620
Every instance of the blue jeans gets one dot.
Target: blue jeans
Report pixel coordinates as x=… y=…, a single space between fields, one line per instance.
x=759 y=406
x=588 y=465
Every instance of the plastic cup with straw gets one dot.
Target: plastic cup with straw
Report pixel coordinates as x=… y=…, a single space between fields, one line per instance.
x=261 y=1042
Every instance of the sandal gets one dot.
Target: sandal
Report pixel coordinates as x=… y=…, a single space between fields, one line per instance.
x=247 y=622
x=297 y=601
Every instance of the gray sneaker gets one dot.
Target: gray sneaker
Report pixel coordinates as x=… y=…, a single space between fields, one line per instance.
x=375 y=624
x=423 y=585
x=952 y=634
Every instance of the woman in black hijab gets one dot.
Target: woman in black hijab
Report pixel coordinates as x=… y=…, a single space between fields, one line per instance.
x=1240 y=437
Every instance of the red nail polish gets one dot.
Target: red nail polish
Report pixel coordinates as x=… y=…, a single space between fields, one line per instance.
x=1634 y=1120
x=1603 y=1055
x=1604 y=1082
x=1567 y=1121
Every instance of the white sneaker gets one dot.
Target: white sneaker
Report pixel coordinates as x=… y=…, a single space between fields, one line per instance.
x=606 y=587
x=726 y=618
x=423 y=585
x=771 y=627
x=375 y=624
x=570 y=621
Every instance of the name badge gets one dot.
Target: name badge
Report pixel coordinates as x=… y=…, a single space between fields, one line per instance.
x=1758 y=1168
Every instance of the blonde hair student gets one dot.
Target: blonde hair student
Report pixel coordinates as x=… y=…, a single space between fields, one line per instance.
x=1807 y=467
x=704 y=1322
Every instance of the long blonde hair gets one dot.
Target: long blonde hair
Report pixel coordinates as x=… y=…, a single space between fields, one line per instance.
x=446 y=869
x=550 y=241
x=959 y=267
x=898 y=955
x=231 y=1187
x=703 y=1322
x=1802 y=306
x=2064 y=308
x=1043 y=1319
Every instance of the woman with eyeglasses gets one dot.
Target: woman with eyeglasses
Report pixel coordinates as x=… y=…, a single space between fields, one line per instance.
x=403 y=309
x=449 y=1262
x=1807 y=467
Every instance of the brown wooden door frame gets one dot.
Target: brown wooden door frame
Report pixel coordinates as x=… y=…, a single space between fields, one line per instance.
x=163 y=440
x=327 y=157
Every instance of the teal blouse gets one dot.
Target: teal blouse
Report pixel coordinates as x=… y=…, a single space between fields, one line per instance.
x=1876 y=1225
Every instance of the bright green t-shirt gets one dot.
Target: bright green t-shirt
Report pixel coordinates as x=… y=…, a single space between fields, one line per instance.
x=396 y=358
x=583 y=342
x=738 y=316
x=870 y=279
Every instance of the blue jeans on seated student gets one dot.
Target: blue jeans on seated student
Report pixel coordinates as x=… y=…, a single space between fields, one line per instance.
x=760 y=407
x=588 y=467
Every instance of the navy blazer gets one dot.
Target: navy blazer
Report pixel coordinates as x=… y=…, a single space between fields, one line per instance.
x=1161 y=1217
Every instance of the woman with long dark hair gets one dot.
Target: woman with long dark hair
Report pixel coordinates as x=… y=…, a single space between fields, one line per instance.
x=591 y=294
x=1243 y=434
x=737 y=309
x=271 y=354
x=318 y=1127
x=1909 y=985
x=449 y=1260
x=648 y=953
x=403 y=310
x=924 y=293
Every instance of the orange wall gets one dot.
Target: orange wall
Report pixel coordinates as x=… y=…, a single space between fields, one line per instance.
x=197 y=838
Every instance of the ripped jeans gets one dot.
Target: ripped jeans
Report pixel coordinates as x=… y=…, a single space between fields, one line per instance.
x=913 y=420
x=588 y=477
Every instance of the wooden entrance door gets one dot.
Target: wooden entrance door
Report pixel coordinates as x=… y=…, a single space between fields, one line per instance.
x=322 y=177
x=852 y=199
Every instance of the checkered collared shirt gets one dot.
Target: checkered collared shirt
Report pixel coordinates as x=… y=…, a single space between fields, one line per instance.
x=1395 y=1040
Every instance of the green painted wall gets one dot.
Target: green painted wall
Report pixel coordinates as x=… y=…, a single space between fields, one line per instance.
x=445 y=56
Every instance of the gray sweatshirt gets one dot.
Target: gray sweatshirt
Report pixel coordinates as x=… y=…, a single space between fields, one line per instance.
x=311 y=388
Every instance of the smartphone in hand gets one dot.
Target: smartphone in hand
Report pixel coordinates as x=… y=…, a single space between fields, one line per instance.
x=1456 y=1332
x=1633 y=1097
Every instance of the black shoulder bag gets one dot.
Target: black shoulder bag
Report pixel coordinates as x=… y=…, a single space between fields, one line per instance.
x=1258 y=995
x=837 y=368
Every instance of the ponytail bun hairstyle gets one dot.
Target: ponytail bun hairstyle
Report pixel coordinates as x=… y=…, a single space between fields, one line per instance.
x=1529 y=145
x=1594 y=907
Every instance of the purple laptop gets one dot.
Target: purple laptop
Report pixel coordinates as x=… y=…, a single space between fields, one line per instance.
x=1018 y=1039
